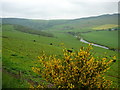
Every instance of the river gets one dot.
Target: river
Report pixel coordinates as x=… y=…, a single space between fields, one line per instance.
x=82 y=40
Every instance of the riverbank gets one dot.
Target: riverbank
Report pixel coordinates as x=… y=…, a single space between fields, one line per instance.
x=98 y=45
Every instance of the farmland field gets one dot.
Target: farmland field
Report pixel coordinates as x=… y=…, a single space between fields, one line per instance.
x=103 y=38
x=107 y=26
x=20 y=50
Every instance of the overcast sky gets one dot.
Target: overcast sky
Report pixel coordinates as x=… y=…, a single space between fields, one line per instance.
x=57 y=9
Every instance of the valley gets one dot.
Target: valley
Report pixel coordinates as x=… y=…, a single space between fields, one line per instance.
x=23 y=40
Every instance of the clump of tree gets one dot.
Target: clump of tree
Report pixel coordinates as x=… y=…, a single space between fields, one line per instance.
x=80 y=69
x=31 y=31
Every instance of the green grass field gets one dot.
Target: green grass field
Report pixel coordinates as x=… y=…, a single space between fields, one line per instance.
x=20 y=51
x=106 y=38
x=17 y=83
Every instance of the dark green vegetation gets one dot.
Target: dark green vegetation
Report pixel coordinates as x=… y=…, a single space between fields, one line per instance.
x=23 y=42
x=31 y=31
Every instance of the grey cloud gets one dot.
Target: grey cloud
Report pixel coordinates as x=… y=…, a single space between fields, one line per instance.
x=46 y=9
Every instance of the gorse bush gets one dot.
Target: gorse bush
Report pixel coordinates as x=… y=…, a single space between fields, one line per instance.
x=80 y=69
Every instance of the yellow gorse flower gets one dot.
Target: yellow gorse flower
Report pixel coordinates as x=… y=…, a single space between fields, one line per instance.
x=114 y=57
x=104 y=59
x=74 y=70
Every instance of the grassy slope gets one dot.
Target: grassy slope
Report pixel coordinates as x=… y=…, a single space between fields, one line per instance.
x=20 y=52
x=34 y=24
x=106 y=26
x=86 y=24
x=107 y=38
x=31 y=31
x=75 y=25
x=16 y=83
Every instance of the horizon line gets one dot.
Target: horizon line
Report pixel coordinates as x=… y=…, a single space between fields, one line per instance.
x=59 y=18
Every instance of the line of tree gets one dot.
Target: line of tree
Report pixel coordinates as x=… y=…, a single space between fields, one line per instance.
x=31 y=31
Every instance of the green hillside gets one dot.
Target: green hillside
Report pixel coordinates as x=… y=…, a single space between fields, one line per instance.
x=75 y=25
x=34 y=24
x=87 y=24
x=23 y=42
x=32 y=31
x=103 y=38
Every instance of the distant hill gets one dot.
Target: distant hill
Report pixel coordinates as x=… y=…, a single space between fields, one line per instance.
x=35 y=24
x=64 y=24
x=88 y=23
x=97 y=20
x=24 y=29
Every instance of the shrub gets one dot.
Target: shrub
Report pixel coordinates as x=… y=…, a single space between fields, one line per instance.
x=80 y=69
